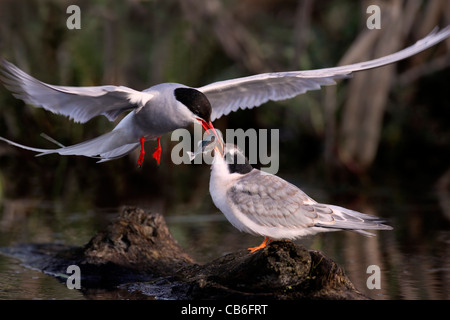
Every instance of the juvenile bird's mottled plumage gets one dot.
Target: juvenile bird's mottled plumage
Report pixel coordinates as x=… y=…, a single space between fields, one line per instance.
x=264 y=204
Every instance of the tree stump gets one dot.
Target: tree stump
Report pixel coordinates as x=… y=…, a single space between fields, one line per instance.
x=137 y=254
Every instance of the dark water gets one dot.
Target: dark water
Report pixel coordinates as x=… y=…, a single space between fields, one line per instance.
x=414 y=258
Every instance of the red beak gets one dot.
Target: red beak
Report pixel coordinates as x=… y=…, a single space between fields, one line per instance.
x=209 y=126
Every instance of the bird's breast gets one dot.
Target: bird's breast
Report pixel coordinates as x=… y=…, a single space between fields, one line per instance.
x=157 y=119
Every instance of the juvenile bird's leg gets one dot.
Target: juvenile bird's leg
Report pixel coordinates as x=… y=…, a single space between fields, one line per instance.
x=266 y=241
x=141 y=155
x=157 y=153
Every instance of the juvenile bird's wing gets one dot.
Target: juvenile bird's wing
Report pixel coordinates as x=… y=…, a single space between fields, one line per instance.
x=78 y=103
x=249 y=92
x=271 y=201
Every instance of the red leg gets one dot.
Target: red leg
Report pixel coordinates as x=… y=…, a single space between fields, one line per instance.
x=266 y=241
x=141 y=155
x=157 y=153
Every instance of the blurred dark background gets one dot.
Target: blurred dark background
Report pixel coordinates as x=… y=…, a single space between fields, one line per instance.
x=377 y=143
x=387 y=126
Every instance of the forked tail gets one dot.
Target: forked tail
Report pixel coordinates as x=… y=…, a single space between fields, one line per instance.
x=109 y=146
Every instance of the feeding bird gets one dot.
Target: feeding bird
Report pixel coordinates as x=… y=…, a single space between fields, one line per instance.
x=157 y=110
x=168 y=106
x=263 y=204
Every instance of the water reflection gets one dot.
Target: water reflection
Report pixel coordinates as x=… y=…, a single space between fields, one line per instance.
x=414 y=259
x=19 y=282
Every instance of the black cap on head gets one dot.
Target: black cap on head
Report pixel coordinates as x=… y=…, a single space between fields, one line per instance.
x=237 y=163
x=195 y=101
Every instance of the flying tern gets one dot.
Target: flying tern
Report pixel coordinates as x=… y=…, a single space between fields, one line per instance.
x=168 y=106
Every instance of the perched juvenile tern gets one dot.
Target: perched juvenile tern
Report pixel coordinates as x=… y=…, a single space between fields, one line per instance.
x=169 y=106
x=263 y=204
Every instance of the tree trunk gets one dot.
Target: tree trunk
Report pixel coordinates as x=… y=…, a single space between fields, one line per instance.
x=137 y=257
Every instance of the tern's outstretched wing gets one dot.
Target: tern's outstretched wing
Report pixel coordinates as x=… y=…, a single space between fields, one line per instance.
x=248 y=92
x=78 y=103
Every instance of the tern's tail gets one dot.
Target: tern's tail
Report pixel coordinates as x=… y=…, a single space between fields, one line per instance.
x=109 y=146
x=346 y=219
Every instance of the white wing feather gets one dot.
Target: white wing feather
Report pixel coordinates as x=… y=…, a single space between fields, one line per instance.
x=248 y=92
x=78 y=103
